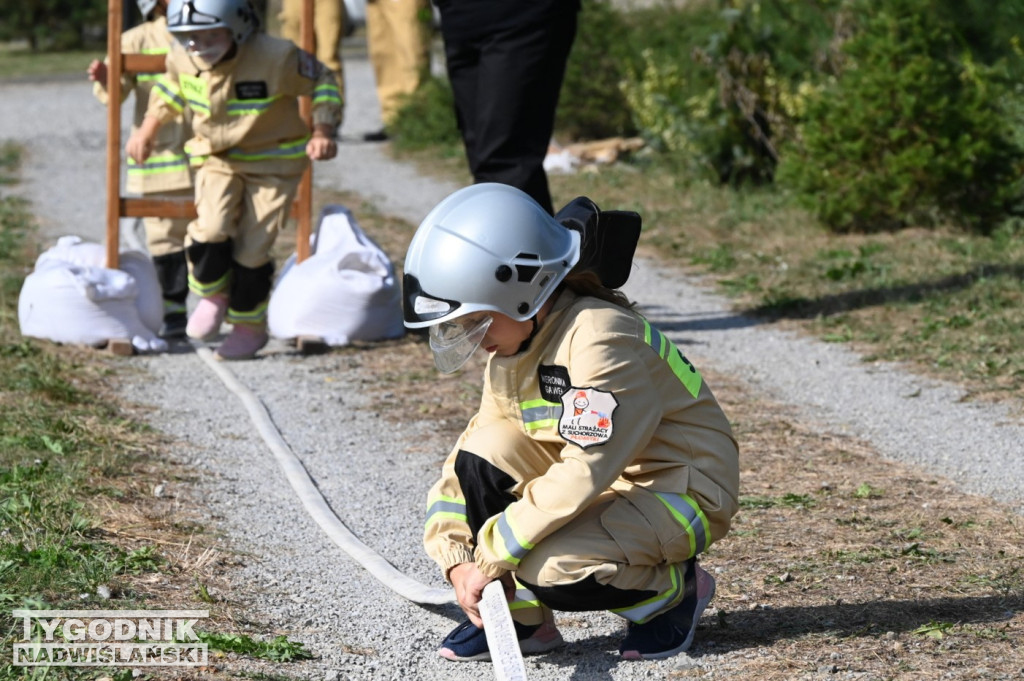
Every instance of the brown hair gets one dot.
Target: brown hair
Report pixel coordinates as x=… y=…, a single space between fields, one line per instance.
x=587 y=283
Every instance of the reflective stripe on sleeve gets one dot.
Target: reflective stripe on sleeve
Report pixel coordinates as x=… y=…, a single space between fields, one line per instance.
x=326 y=94
x=503 y=540
x=446 y=507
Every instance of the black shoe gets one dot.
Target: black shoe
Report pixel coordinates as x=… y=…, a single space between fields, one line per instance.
x=671 y=633
x=174 y=325
x=376 y=136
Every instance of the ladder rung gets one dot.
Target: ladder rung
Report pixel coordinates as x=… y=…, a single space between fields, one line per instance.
x=169 y=208
x=143 y=63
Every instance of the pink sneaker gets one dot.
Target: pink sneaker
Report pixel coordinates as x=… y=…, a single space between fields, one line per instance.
x=243 y=342
x=204 y=323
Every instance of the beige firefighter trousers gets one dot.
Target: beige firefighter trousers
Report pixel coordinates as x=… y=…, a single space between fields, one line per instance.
x=328 y=25
x=398 y=40
x=234 y=202
x=626 y=539
x=166 y=235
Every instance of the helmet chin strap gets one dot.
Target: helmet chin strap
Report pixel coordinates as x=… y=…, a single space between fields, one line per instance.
x=535 y=319
x=526 y=343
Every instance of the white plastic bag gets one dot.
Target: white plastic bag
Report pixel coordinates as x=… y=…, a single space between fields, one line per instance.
x=70 y=297
x=345 y=291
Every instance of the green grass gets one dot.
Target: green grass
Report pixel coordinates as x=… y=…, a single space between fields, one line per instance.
x=58 y=440
x=63 y=447
x=18 y=62
x=279 y=649
x=950 y=304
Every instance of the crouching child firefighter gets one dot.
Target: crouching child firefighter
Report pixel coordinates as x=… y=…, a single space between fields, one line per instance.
x=599 y=464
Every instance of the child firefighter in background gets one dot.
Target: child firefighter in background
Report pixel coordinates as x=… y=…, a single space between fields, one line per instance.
x=242 y=88
x=599 y=463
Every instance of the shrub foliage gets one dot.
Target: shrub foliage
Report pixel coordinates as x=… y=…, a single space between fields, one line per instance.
x=50 y=24
x=876 y=113
x=912 y=132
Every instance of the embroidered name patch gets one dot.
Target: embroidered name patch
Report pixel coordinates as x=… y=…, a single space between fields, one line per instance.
x=587 y=416
x=554 y=381
x=252 y=89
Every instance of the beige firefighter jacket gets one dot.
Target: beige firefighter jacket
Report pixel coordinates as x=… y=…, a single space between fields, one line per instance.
x=246 y=108
x=619 y=406
x=167 y=168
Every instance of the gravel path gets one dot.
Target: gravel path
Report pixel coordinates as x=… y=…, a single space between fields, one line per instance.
x=375 y=475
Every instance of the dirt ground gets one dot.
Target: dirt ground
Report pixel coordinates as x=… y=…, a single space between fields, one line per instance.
x=840 y=564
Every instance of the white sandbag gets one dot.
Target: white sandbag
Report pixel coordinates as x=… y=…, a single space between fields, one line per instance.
x=344 y=291
x=70 y=297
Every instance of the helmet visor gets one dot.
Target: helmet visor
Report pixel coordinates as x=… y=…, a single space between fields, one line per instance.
x=454 y=341
x=209 y=45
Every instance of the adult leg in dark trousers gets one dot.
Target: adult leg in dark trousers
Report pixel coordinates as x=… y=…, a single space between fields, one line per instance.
x=506 y=88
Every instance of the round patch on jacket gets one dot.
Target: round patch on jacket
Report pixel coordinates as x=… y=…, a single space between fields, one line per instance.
x=587 y=416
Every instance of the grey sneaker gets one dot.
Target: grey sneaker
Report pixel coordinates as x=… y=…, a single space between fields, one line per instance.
x=671 y=633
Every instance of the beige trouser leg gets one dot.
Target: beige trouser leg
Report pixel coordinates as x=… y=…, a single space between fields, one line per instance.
x=630 y=541
x=166 y=235
x=328 y=23
x=249 y=208
x=398 y=37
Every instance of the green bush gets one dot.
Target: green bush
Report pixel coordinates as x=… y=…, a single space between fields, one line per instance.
x=718 y=84
x=913 y=131
x=427 y=118
x=50 y=24
x=592 y=105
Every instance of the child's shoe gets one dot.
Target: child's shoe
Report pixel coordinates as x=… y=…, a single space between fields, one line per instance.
x=243 y=342
x=671 y=632
x=467 y=642
x=204 y=323
x=174 y=325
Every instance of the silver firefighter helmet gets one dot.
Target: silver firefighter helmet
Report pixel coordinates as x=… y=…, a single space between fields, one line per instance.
x=487 y=247
x=146 y=6
x=189 y=16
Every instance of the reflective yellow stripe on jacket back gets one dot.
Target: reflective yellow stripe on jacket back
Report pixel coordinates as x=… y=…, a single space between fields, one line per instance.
x=681 y=367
